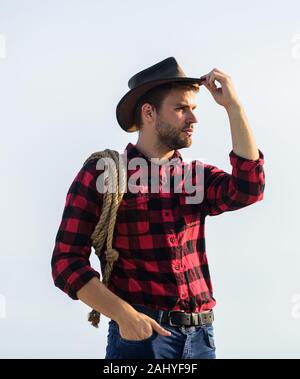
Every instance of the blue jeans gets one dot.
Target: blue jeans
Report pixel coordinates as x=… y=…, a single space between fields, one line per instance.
x=186 y=342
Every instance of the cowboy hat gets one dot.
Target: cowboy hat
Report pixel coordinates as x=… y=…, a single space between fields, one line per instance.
x=162 y=72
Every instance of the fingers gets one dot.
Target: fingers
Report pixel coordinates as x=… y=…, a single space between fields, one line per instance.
x=223 y=94
x=219 y=71
x=211 y=81
x=159 y=329
x=215 y=75
x=211 y=90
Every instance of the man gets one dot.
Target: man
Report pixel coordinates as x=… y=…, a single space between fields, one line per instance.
x=159 y=298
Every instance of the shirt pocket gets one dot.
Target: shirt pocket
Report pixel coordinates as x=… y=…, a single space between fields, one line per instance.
x=133 y=215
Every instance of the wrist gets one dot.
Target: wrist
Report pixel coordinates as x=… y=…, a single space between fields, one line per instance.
x=126 y=314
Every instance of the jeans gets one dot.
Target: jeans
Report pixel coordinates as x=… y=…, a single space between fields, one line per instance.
x=186 y=342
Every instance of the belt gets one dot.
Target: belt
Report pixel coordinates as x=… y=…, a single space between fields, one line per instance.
x=177 y=317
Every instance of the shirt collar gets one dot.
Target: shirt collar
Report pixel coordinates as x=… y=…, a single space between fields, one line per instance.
x=133 y=152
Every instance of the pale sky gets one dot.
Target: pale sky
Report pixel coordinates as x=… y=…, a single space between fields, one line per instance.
x=64 y=65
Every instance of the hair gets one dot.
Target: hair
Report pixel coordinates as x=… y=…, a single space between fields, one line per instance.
x=155 y=96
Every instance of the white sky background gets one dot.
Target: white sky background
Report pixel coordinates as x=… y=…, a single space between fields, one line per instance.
x=64 y=65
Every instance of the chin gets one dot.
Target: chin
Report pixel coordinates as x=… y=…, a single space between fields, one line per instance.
x=183 y=145
x=187 y=143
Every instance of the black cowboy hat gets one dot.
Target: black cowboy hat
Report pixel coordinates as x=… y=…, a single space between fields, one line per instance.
x=162 y=72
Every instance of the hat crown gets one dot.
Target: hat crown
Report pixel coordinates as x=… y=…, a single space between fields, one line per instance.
x=168 y=68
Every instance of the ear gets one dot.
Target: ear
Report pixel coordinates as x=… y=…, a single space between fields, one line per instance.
x=147 y=112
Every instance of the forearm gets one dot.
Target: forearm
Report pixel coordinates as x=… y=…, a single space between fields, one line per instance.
x=243 y=141
x=96 y=295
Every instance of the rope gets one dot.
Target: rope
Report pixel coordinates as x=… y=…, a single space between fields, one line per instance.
x=104 y=229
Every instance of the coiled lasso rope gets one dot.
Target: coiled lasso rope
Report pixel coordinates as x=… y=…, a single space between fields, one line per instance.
x=105 y=227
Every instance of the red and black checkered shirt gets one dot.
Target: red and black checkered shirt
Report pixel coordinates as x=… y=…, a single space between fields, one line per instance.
x=160 y=237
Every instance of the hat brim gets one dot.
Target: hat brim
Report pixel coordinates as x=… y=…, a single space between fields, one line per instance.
x=126 y=105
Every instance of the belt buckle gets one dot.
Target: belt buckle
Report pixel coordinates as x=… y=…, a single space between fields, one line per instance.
x=208 y=317
x=170 y=319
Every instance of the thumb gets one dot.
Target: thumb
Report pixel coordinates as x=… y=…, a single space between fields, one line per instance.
x=159 y=329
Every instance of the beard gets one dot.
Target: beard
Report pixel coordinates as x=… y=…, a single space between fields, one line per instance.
x=172 y=137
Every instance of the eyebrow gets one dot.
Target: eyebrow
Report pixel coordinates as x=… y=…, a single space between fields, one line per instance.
x=184 y=105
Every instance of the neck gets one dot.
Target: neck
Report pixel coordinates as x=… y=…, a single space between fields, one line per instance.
x=153 y=149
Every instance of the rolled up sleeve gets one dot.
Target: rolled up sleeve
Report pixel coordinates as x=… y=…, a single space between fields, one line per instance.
x=70 y=263
x=228 y=192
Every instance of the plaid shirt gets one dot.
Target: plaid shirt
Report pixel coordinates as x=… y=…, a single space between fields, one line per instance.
x=159 y=236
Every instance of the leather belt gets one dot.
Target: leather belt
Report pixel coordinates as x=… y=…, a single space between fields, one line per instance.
x=175 y=318
x=178 y=317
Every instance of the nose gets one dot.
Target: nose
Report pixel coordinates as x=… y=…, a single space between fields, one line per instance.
x=191 y=118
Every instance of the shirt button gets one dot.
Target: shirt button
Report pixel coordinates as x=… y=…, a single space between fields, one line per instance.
x=177 y=267
x=172 y=239
x=183 y=295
